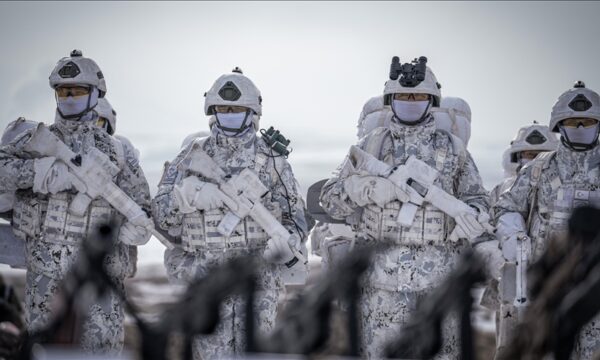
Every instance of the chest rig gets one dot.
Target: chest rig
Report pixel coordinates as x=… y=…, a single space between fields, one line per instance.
x=199 y=229
x=553 y=197
x=430 y=226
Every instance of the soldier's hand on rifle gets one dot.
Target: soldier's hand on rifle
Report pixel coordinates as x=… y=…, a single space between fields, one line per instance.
x=194 y=194
x=131 y=234
x=51 y=176
x=468 y=226
x=279 y=251
x=364 y=190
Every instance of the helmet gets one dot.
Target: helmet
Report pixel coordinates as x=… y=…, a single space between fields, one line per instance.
x=233 y=89
x=534 y=137
x=428 y=84
x=77 y=69
x=16 y=127
x=105 y=110
x=578 y=102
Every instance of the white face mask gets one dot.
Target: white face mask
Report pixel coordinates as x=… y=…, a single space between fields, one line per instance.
x=410 y=111
x=76 y=105
x=580 y=135
x=227 y=122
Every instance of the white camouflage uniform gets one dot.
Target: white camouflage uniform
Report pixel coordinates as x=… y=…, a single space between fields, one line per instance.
x=52 y=233
x=421 y=255
x=53 y=236
x=202 y=246
x=332 y=241
x=546 y=190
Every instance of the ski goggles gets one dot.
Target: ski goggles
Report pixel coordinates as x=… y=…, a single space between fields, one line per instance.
x=575 y=122
x=74 y=91
x=411 y=96
x=230 y=109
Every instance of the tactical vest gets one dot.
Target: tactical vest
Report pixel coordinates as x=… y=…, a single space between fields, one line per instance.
x=199 y=229
x=552 y=220
x=430 y=226
x=47 y=221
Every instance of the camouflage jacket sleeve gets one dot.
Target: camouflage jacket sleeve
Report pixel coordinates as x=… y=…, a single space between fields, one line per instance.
x=132 y=179
x=164 y=206
x=16 y=166
x=516 y=198
x=469 y=187
x=334 y=199
x=286 y=191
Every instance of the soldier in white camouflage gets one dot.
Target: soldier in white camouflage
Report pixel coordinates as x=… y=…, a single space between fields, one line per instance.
x=190 y=207
x=546 y=190
x=107 y=120
x=530 y=141
x=421 y=254
x=45 y=188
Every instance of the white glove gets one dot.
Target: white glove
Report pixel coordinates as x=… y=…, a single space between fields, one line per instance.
x=131 y=234
x=51 y=176
x=194 y=194
x=369 y=189
x=467 y=227
x=280 y=252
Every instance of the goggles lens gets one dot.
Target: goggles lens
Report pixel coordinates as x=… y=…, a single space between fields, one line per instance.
x=74 y=91
x=411 y=96
x=575 y=122
x=529 y=155
x=230 y=109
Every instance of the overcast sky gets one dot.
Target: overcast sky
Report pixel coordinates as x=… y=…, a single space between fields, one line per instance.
x=316 y=63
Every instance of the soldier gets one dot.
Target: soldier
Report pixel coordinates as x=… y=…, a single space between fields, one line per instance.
x=193 y=206
x=332 y=241
x=423 y=252
x=107 y=120
x=43 y=214
x=530 y=141
x=547 y=189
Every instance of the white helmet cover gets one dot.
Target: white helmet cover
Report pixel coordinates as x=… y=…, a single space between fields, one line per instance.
x=429 y=85
x=534 y=137
x=233 y=89
x=578 y=102
x=105 y=110
x=78 y=70
x=16 y=127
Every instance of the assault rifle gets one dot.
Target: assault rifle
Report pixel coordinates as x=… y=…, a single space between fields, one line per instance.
x=417 y=178
x=246 y=191
x=93 y=174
